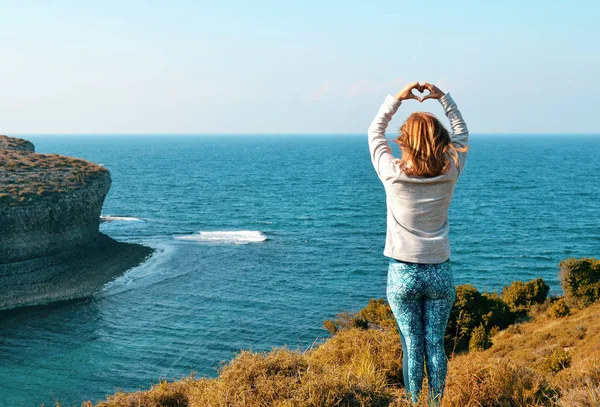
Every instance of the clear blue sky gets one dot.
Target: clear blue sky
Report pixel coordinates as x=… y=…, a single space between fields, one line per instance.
x=132 y=66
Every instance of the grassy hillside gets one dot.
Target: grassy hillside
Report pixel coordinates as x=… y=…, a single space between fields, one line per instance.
x=549 y=356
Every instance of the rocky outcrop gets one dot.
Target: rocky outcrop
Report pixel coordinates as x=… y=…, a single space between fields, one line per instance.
x=47 y=226
x=17 y=144
x=50 y=244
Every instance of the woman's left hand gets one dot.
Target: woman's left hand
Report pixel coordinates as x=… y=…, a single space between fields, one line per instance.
x=406 y=93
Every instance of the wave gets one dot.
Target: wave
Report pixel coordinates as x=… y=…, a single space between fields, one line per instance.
x=230 y=237
x=110 y=218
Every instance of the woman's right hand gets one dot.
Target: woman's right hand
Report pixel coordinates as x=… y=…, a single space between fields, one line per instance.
x=434 y=91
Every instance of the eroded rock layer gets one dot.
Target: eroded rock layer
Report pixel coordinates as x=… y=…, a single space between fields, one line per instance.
x=50 y=244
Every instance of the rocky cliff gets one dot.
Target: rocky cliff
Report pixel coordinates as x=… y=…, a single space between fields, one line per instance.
x=50 y=245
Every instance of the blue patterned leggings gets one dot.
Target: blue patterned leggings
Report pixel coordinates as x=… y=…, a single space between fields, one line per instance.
x=421 y=297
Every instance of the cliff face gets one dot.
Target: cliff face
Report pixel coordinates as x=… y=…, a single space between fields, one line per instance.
x=50 y=244
x=48 y=203
x=48 y=226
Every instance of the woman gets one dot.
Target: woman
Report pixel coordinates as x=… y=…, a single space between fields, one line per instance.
x=419 y=188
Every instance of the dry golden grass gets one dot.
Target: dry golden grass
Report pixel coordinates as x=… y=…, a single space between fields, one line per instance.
x=362 y=367
x=513 y=371
x=26 y=176
x=354 y=368
x=13 y=143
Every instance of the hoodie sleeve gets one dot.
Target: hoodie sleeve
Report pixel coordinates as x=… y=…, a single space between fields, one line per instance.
x=460 y=133
x=381 y=153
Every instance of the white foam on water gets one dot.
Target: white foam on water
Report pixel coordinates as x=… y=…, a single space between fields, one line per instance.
x=144 y=274
x=110 y=218
x=230 y=237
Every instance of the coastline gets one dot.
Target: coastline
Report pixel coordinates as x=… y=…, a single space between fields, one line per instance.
x=51 y=248
x=546 y=356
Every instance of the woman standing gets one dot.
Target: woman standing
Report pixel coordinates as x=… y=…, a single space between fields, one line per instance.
x=419 y=188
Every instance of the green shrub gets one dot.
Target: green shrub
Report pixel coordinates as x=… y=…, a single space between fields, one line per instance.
x=498 y=312
x=377 y=314
x=521 y=296
x=559 y=308
x=480 y=339
x=465 y=315
x=343 y=320
x=556 y=361
x=471 y=309
x=580 y=280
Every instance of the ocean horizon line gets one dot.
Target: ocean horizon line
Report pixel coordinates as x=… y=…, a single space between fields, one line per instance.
x=271 y=134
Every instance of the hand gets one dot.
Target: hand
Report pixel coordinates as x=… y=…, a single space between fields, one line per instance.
x=406 y=93
x=434 y=91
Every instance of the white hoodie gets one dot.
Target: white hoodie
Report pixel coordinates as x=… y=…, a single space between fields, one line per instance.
x=417 y=207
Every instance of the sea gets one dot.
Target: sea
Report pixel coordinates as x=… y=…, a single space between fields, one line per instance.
x=260 y=238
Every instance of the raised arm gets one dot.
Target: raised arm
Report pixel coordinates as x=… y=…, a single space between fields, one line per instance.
x=460 y=133
x=381 y=153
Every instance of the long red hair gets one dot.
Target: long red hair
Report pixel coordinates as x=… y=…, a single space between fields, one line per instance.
x=426 y=146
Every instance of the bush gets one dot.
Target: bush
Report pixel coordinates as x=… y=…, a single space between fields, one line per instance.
x=376 y=315
x=559 y=308
x=498 y=312
x=480 y=339
x=556 y=361
x=580 y=280
x=521 y=296
x=343 y=320
x=471 y=309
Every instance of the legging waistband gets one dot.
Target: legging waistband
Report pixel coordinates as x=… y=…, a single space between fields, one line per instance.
x=392 y=260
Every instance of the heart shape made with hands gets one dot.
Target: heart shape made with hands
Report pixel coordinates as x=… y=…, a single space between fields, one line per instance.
x=425 y=91
x=421 y=90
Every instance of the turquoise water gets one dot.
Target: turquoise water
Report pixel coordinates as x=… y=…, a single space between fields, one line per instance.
x=305 y=217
